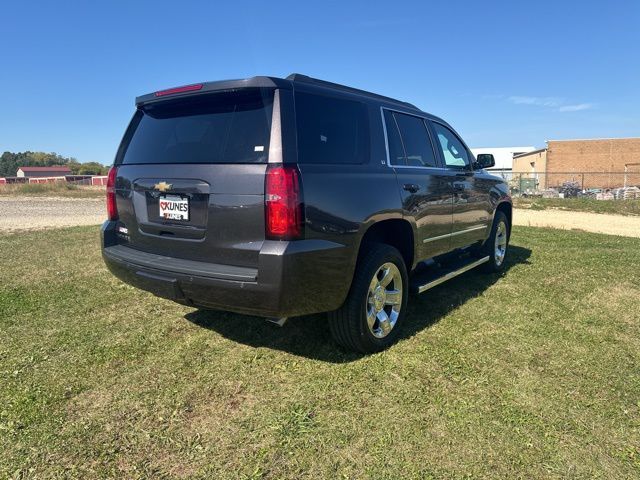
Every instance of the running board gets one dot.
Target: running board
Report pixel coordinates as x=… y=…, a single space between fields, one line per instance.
x=280 y=321
x=425 y=282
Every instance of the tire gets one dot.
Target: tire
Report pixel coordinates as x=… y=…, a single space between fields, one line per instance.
x=350 y=324
x=499 y=238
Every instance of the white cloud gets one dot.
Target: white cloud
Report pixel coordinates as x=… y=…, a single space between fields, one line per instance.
x=576 y=108
x=540 y=101
x=559 y=104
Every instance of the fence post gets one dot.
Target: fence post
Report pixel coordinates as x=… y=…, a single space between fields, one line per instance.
x=625 y=175
x=520 y=185
x=582 y=184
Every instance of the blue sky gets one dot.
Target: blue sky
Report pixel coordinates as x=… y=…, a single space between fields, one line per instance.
x=503 y=73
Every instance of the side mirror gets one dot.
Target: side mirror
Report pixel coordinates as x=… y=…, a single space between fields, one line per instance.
x=484 y=160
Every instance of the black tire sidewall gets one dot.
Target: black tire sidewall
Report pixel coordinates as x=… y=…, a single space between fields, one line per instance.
x=373 y=260
x=490 y=244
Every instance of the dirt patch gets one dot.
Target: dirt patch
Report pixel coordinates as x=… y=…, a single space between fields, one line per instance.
x=22 y=213
x=627 y=226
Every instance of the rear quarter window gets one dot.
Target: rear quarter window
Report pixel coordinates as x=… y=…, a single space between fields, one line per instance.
x=331 y=130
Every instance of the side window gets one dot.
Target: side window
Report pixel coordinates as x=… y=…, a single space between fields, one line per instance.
x=454 y=152
x=416 y=141
x=331 y=130
x=396 y=151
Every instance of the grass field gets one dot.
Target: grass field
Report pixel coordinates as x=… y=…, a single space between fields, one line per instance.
x=532 y=374
x=60 y=189
x=616 y=207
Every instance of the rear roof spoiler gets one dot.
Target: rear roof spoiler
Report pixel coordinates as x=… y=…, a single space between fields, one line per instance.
x=209 y=87
x=261 y=82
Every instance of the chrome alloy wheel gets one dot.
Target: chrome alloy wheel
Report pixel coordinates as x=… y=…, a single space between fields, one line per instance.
x=384 y=300
x=501 y=243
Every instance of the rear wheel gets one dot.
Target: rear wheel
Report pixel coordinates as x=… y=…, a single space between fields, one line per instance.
x=497 y=244
x=371 y=316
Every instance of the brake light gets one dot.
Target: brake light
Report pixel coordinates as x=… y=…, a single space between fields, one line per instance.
x=186 y=88
x=283 y=203
x=112 y=210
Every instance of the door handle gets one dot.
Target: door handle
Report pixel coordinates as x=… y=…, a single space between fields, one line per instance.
x=411 y=187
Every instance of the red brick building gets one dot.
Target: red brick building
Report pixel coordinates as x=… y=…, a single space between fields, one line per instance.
x=597 y=163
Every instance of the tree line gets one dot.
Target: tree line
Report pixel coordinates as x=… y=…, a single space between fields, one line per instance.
x=10 y=162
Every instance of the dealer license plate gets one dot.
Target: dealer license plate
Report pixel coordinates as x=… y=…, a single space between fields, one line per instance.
x=173 y=207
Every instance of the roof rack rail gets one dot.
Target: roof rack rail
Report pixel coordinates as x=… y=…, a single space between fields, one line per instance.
x=298 y=77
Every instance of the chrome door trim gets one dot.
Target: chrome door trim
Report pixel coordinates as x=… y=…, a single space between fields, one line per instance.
x=386 y=140
x=275 y=139
x=449 y=235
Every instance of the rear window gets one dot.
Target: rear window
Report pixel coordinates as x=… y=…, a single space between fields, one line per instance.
x=331 y=130
x=219 y=128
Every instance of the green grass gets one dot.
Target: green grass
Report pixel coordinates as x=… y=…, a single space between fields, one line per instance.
x=616 y=207
x=532 y=374
x=58 y=189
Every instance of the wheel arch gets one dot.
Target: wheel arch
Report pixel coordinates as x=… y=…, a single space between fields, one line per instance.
x=507 y=208
x=396 y=232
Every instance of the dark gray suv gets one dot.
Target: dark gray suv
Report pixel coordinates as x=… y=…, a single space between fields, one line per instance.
x=282 y=197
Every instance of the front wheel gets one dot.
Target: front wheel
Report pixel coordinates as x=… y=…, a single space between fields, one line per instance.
x=497 y=244
x=370 y=318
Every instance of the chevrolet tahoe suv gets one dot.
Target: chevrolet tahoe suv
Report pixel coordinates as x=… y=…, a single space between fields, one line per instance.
x=284 y=197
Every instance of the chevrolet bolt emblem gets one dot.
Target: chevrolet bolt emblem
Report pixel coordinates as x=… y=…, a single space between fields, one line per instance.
x=163 y=186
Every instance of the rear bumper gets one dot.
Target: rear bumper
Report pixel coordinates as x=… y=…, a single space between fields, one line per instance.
x=292 y=278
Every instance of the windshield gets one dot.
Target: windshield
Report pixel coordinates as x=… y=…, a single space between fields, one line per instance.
x=230 y=127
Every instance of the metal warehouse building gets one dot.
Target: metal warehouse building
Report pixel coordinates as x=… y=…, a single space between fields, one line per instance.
x=36 y=172
x=503 y=156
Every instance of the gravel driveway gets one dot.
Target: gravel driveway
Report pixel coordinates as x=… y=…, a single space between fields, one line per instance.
x=21 y=213
x=627 y=226
x=35 y=213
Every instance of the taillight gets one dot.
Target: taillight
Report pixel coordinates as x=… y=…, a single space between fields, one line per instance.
x=112 y=210
x=283 y=203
